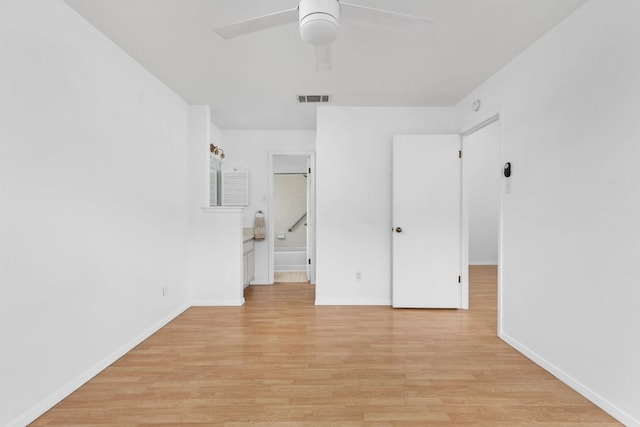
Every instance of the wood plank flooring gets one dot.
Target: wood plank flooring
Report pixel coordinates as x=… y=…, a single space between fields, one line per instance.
x=281 y=361
x=290 y=277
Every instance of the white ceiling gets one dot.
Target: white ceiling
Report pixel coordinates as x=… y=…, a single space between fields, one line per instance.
x=251 y=82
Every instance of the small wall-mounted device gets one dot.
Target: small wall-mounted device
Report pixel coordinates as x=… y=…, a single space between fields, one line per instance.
x=507 y=170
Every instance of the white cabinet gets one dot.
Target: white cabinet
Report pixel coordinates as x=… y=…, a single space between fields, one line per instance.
x=248 y=261
x=251 y=259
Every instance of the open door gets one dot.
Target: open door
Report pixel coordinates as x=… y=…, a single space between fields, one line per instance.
x=426 y=221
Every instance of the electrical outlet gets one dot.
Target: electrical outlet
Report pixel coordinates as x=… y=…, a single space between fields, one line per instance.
x=358 y=275
x=165 y=290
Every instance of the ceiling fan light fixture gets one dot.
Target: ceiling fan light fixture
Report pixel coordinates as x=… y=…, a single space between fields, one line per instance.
x=319 y=21
x=318 y=32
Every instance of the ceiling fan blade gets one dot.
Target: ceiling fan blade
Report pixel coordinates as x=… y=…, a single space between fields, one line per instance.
x=381 y=16
x=323 y=57
x=256 y=24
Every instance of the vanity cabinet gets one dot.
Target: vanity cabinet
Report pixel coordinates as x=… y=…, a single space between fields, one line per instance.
x=248 y=261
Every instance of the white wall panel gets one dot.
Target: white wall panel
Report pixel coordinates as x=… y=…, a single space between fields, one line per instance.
x=92 y=208
x=571 y=131
x=353 y=196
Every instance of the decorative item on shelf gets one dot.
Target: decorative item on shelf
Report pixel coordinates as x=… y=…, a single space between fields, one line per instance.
x=215 y=158
x=217 y=151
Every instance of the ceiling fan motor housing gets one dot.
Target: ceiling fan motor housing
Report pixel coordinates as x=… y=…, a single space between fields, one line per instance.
x=319 y=21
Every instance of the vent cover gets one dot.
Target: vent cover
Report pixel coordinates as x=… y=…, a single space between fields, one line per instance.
x=304 y=99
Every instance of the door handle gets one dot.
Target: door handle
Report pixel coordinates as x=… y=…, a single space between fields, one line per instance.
x=398 y=230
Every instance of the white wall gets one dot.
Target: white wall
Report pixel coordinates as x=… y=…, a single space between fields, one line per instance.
x=200 y=136
x=571 y=248
x=250 y=149
x=215 y=238
x=92 y=207
x=482 y=167
x=353 y=196
x=290 y=164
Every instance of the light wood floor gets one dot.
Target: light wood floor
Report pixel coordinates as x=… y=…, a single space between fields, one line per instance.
x=281 y=361
x=290 y=277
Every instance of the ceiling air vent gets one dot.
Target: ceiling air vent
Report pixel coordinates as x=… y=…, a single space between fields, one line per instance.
x=302 y=99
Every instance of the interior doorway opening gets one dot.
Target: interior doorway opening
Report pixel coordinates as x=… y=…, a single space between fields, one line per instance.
x=292 y=211
x=482 y=201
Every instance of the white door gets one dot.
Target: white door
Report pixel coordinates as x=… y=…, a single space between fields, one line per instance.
x=426 y=221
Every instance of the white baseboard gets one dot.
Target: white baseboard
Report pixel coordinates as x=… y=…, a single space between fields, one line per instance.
x=572 y=382
x=218 y=302
x=49 y=402
x=483 y=263
x=260 y=282
x=352 y=302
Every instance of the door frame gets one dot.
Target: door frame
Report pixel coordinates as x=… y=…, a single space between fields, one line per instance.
x=486 y=120
x=311 y=216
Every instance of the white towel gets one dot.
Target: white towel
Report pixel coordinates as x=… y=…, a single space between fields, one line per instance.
x=260 y=229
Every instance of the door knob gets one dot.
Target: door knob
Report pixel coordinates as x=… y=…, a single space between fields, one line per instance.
x=398 y=229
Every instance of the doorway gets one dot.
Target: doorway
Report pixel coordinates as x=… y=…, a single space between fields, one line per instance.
x=291 y=209
x=482 y=200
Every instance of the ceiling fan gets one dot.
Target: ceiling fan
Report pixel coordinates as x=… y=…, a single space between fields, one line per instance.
x=319 y=22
